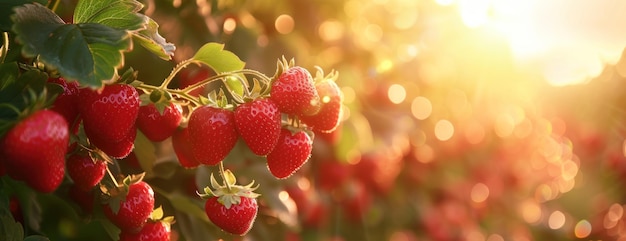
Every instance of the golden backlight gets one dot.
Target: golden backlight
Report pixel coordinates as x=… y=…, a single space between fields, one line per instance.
x=568 y=41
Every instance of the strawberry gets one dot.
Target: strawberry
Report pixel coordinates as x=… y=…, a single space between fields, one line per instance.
x=237 y=219
x=134 y=208
x=182 y=148
x=156 y=126
x=329 y=115
x=290 y=153
x=356 y=201
x=294 y=93
x=66 y=103
x=34 y=150
x=109 y=114
x=85 y=170
x=212 y=133
x=231 y=207
x=332 y=174
x=117 y=149
x=258 y=124
x=16 y=209
x=151 y=231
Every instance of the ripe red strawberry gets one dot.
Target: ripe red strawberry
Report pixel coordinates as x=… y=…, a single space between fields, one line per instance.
x=327 y=119
x=212 y=133
x=229 y=206
x=237 y=219
x=332 y=174
x=258 y=124
x=66 y=103
x=134 y=209
x=151 y=231
x=34 y=150
x=111 y=114
x=118 y=148
x=294 y=92
x=85 y=171
x=182 y=148
x=289 y=154
x=159 y=127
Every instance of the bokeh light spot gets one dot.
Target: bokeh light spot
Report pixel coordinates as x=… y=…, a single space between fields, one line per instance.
x=396 y=93
x=283 y=196
x=495 y=237
x=331 y=30
x=444 y=130
x=230 y=24
x=570 y=169
x=421 y=107
x=504 y=125
x=304 y=183
x=475 y=235
x=530 y=211
x=479 y=193
x=384 y=66
x=424 y=154
x=373 y=33
x=582 y=229
x=284 y=24
x=556 y=220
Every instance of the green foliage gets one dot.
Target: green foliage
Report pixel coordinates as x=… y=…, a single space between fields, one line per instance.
x=150 y=39
x=87 y=52
x=28 y=91
x=220 y=60
x=145 y=152
x=6 y=10
x=112 y=13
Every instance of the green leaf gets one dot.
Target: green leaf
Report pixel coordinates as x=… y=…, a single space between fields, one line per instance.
x=220 y=60
x=10 y=230
x=110 y=228
x=145 y=152
x=154 y=42
x=14 y=97
x=88 y=52
x=186 y=205
x=8 y=74
x=6 y=10
x=112 y=13
x=36 y=238
x=124 y=15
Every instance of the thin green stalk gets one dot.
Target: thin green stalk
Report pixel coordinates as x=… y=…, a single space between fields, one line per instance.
x=223 y=173
x=175 y=71
x=5 y=47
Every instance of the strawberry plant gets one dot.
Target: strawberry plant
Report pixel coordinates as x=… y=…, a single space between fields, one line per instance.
x=74 y=114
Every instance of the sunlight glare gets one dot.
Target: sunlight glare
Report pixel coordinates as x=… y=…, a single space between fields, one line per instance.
x=543 y=35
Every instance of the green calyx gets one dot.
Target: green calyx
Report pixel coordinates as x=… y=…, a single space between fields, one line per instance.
x=229 y=193
x=281 y=66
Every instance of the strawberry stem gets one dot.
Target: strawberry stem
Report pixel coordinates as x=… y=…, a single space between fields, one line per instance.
x=5 y=47
x=112 y=177
x=224 y=176
x=175 y=71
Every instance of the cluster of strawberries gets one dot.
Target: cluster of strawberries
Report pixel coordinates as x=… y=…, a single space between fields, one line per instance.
x=85 y=128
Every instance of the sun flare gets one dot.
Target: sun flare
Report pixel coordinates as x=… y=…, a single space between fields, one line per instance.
x=567 y=40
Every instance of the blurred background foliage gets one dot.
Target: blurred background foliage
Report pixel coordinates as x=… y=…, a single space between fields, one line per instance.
x=465 y=120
